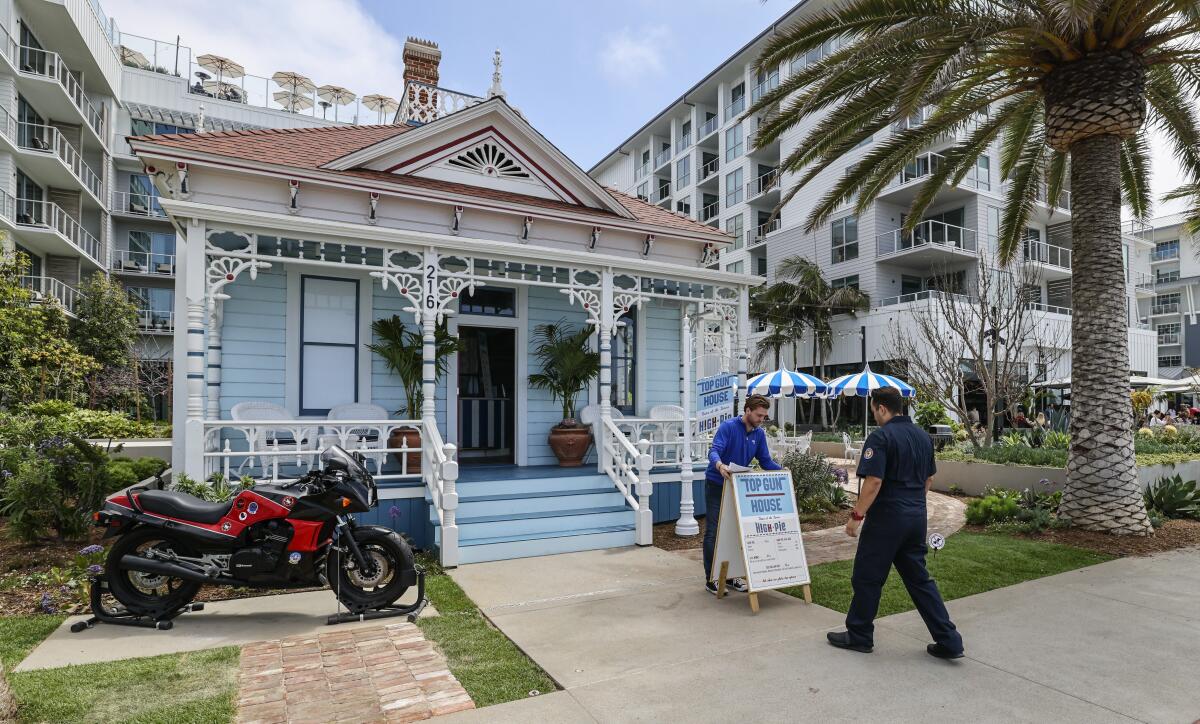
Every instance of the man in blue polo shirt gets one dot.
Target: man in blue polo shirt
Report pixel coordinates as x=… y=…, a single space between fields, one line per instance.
x=737 y=442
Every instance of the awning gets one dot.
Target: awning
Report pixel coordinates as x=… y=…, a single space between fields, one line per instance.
x=184 y=119
x=1134 y=381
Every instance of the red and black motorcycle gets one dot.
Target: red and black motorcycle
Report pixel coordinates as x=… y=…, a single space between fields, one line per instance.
x=295 y=535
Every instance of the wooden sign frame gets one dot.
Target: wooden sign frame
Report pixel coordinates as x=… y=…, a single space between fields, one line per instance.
x=727 y=564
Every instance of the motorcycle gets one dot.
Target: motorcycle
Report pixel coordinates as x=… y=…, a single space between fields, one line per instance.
x=295 y=535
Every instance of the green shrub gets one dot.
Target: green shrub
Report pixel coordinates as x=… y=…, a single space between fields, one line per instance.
x=54 y=486
x=992 y=509
x=1173 y=498
x=47 y=419
x=1014 y=439
x=931 y=413
x=216 y=490
x=1055 y=440
x=813 y=479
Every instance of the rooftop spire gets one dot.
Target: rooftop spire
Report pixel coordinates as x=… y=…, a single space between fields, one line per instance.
x=496 y=91
x=200 y=120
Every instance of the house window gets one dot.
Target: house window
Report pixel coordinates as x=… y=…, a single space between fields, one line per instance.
x=490 y=302
x=733 y=188
x=736 y=267
x=138 y=127
x=624 y=365
x=1165 y=250
x=151 y=248
x=850 y=282
x=845 y=239
x=328 y=343
x=983 y=173
x=1173 y=360
x=733 y=225
x=734 y=143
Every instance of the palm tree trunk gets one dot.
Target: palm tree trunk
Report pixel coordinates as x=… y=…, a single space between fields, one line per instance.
x=1102 y=492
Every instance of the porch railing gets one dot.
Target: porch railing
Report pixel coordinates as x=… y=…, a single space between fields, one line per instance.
x=629 y=469
x=439 y=470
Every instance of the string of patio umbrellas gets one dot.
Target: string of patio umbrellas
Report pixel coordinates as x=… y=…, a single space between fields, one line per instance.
x=791 y=383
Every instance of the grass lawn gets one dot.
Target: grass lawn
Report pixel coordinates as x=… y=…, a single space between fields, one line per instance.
x=21 y=634
x=970 y=563
x=490 y=667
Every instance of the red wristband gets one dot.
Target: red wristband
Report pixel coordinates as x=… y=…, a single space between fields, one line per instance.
x=855 y=515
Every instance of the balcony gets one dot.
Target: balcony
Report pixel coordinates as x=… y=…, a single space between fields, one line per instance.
x=1063 y=203
x=1167 y=254
x=641 y=171
x=1162 y=309
x=928 y=294
x=685 y=142
x=55 y=91
x=710 y=127
x=768 y=85
x=710 y=212
x=1170 y=338
x=903 y=188
x=1143 y=282
x=708 y=171
x=929 y=240
x=735 y=108
x=422 y=102
x=46 y=289
x=156 y=321
x=143 y=262
x=1138 y=229
x=1048 y=308
x=1055 y=261
x=44 y=226
x=54 y=161
x=137 y=204
x=662 y=158
x=763 y=184
x=760 y=233
x=661 y=194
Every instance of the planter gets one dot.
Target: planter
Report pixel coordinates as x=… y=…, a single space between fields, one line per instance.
x=410 y=437
x=570 y=444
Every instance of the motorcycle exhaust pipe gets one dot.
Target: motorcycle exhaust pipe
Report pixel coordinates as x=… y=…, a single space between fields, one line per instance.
x=164 y=568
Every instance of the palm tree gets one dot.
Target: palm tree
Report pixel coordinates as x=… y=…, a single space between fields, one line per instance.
x=1067 y=88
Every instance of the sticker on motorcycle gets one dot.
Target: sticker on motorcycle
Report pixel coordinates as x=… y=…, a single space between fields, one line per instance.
x=252 y=509
x=226 y=526
x=242 y=515
x=294 y=558
x=289 y=501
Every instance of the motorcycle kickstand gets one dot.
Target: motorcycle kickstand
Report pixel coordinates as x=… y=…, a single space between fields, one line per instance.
x=121 y=617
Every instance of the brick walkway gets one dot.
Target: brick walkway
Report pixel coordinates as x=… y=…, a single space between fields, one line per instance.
x=385 y=674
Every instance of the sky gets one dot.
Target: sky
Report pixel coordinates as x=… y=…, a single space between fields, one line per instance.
x=586 y=73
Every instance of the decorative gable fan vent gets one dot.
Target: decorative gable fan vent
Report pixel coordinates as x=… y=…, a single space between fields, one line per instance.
x=489 y=160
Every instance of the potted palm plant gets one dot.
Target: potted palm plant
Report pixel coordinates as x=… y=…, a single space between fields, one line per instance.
x=568 y=366
x=400 y=349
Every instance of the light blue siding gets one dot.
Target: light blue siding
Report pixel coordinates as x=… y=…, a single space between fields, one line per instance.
x=546 y=305
x=661 y=356
x=385 y=386
x=252 y=340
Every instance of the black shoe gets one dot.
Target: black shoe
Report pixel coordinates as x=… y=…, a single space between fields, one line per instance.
x=711 y=587
x=942 y=652
x=737 y=584
x=841 y=639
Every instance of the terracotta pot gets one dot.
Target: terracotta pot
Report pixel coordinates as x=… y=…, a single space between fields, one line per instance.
x=412 y=437
x=570 y=444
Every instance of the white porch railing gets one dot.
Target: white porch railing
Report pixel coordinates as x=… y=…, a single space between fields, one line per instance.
x=629 y=469
x=439 y=469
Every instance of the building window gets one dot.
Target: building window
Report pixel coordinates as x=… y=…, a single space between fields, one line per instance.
x=643 y=191
x=1165 y=250
x=1168 y=333
x=684 y=206
x=734 y=143
x=761 y=266
x=490 y=302
x=1172 y=360
x=683 y=172
x=328 y=343
x=733 y=188
x=155 y=306
x=733 y=225
x=35 y=261
x=845 y=239
x=29 y=201
x=736 y=267
x=149 y=249
x=850 y=282
x=1166 y=277
x=624 y=365
x=983 y=173
x=149 y=128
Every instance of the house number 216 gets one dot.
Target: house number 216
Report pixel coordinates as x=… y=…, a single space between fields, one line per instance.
x=430 y=284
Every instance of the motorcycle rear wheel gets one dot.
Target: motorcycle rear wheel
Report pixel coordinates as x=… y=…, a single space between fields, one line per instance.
x=147 y=594
x=360 y=592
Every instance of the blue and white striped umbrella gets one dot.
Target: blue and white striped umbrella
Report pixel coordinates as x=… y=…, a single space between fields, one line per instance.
x=860 y=384
x=786 y=383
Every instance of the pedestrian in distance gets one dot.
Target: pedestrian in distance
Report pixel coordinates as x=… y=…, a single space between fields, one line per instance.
x=737 y=442
x=897 y=468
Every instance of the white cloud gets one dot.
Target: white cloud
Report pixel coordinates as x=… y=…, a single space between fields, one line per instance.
x=1166 y=174
x=630 y=57
x=331 y=41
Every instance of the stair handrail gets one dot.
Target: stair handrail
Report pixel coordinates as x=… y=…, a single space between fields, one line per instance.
x=629 y=468
x=440 y=471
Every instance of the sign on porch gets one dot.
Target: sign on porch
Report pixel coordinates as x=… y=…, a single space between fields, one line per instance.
x=714 y=400
x=758 y=537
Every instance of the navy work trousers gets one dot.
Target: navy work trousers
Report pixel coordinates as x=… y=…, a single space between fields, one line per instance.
x=712 y=516
x=894 y=534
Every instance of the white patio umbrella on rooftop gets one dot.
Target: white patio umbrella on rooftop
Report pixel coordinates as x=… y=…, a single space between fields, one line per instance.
x=133 y=58
x=222 y=66
x=336 y=95
x=294 y=82
x=381 y=103
x=292 y=101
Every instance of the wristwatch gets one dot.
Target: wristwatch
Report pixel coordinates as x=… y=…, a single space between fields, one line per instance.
x=855 y=515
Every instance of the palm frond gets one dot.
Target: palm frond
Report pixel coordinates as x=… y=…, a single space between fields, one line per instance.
x=1135 y=175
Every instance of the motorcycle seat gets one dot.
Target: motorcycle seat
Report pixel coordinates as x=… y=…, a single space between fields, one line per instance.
x=183 y=506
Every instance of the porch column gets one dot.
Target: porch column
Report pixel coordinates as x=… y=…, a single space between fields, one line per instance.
x=214 y=360
x=743 y=340
x=686 y=525
x=196 y=297
x=605 y=331
x=431 y=304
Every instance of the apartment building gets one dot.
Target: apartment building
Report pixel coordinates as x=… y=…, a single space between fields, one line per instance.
x=1173 y=310
x=696 y=157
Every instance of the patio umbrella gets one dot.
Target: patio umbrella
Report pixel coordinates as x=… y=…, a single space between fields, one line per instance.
x=336 y=95
x=222 y=66
x=133 y=58
x=294 y=82
x=225 y=91
x=381 y=103
x=785 y=383
x=292 y=101
x=860 y=384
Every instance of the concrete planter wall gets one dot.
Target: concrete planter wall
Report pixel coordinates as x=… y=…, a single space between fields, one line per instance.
x=133 y=448
x=973 y=478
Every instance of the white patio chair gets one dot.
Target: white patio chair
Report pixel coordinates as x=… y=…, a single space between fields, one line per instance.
x=262 y=438
x=803 y=443
x=670 y=430
x=358 y=437
x=850 y=452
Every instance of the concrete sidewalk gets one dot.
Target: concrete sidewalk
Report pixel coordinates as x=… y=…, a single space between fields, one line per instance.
x=631 y=636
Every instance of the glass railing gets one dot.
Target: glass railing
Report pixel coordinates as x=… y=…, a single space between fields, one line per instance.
x=768 y=85
x=48 y=139
x=685 y=142
x=735 y=108
x=661 y=194
x=708 y=170
x=1167 y=308
x=139 y=204
x=1049 y=308
x=760 y=234
x=922 y=296
x=48 y=215
x=1164 y=254
x=1138 y=229
x=1039 y=252
x=1062 y=202
x=928 y=163
x=47 y=288
x=661 y=158
x=1170 y=338
x=762 y=184
x=47 y=64
x=1168 y=278
x=144 y=262
x=923 y=235
x=711 y=211
x=710 y=127
x=156 y=320
x=641 y=171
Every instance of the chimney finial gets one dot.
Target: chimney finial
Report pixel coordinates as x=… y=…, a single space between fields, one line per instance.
x=496 y=91
x=200 y=120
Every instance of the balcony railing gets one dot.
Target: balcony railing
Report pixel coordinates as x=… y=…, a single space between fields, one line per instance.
x=127 y=202
x=661 y=194
x=768 y=85
x=48 y=139
x=422 y=103
x=922 y=296
x=708 y=170
x=685 y=142
x=48 y=215
x=1138 y=229
x=928 y=163
x=1164 y=278
x=1064 y=197
x=1169 y=338
x=762 y=184
x=1039 y=252
x=1168 y=308
x=946 y=236
x=47 y=288
x=760 y=233
x=48 y=64
x=143 y=262
x=735 y=108
x=711 y=211
x=710 y=127
x=662 y=157
x=1050 y=308
x=1142 y=281
x=1165 y=254
x=641 y=171
x=156 y=320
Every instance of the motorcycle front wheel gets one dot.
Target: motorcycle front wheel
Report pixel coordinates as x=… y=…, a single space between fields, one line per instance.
x=361 y=590
x=148 y=594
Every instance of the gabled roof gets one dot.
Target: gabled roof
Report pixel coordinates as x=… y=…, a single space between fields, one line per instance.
x=328 y=149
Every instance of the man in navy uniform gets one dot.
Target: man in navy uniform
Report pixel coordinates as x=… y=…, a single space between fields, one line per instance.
x=897 y=466
x=736 y=442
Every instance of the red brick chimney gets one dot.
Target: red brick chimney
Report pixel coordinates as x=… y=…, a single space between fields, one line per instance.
x=421 y=58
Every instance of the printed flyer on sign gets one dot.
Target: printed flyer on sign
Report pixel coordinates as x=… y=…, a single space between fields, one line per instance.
x=770 y=530
x=714 y=400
